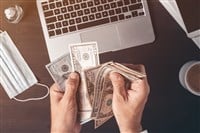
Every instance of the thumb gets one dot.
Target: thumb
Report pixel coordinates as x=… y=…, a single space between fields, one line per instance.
x=118 y=84
x=71 y=86
x=141 y=86
x=55 y=94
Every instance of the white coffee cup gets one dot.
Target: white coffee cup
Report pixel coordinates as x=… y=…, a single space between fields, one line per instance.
x=189 y=77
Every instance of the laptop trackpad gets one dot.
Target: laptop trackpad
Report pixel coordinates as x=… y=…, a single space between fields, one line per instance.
x=106 y=37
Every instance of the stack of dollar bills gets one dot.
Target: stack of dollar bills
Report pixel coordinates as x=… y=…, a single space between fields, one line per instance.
x=95 y=90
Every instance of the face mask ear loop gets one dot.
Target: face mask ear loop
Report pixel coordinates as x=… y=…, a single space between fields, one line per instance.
x=35 y=98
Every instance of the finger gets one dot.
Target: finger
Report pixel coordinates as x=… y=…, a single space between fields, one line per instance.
x=138 y=67
x=71 y=86
x=141 y=87
x=142 y=68
x=118 y=84
x=55 y=94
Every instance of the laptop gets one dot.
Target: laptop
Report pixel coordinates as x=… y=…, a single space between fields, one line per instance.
x=113 y=24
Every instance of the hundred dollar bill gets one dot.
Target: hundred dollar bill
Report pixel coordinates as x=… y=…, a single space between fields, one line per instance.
x=105 y=106
x=98 y=89
x=127 y=71
x=84 y=55
x=90 y=77
x=84 y=105
x=60 y=69
x=102 y=107
x=99 y=122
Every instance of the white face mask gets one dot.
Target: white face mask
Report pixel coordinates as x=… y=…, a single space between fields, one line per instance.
x=15 y=74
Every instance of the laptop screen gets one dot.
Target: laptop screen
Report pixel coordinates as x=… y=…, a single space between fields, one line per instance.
x=190 y=12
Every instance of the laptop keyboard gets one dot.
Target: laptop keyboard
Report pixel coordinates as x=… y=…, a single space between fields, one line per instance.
x=65 y=16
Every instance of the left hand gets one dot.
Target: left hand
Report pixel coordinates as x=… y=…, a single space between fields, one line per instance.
x=64 y=107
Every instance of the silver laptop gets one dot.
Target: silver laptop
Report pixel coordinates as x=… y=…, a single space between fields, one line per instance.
x=113 y=24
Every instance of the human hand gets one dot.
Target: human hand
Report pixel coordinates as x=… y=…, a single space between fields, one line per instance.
x=64 y=107
x=128 y=103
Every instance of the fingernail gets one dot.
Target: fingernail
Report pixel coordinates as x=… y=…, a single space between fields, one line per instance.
x=74 y=75
x=111 y=74
x=115 y=75
x=137 y=81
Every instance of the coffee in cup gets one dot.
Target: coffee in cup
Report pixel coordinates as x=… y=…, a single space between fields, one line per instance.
x=189 y=77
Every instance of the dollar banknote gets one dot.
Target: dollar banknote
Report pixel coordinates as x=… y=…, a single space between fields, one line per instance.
x=90 y=76
x=60 y=69
x=98 y=89
x=84 y=55
x=103 y=89
x=95 y=91
x=99 y=122
x=105 y=105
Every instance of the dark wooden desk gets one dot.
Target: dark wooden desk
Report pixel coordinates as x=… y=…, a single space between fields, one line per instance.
x=170 y=107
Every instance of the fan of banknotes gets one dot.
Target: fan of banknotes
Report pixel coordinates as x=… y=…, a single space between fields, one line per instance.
x=95 y=92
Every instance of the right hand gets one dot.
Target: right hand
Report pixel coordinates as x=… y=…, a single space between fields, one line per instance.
x=128 y=103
